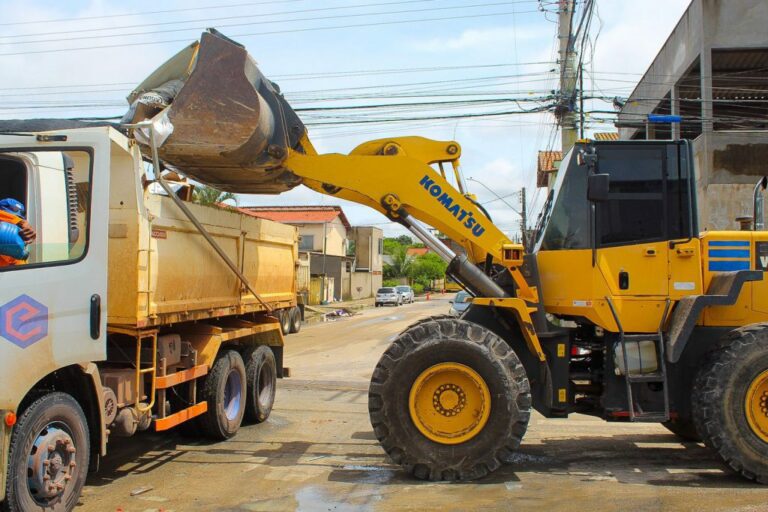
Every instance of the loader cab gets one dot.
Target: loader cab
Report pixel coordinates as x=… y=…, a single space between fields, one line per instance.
x=615 y=224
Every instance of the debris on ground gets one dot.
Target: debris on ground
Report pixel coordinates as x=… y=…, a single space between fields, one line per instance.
x=141 y=490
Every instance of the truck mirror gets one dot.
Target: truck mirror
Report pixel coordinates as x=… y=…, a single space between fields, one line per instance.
x=597 y=187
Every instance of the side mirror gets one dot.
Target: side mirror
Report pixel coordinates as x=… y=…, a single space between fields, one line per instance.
x=598 y=186
x=450 y=301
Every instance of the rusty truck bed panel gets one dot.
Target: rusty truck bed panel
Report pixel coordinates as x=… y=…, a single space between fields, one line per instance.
x=163 y=271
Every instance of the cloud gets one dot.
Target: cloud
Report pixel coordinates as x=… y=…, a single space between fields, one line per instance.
x=472 y=39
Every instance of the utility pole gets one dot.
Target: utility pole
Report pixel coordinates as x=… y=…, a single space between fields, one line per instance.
x=524 y=220
x=565 y=110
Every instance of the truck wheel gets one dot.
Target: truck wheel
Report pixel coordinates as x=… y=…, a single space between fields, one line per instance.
x=684 y=429
x=295 y=320
x=261 y=375
x=730 y=402
x=224 y=389
x=442 y=419
x=285 y=321
x=48 y=458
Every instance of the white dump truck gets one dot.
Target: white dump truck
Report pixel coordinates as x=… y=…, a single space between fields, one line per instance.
x=134 y=310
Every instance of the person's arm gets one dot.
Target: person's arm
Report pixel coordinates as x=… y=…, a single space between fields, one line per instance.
x=28 y=233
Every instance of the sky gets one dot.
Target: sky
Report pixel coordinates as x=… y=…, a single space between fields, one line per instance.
x=81 y=58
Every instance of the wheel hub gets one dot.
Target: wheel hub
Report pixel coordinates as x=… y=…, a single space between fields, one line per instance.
x=449 y=400
x=51 y=463
x=449 y=403
x=756 y=406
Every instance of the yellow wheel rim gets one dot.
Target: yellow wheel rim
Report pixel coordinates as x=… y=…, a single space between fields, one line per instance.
x=449 y=403
x=756 y=406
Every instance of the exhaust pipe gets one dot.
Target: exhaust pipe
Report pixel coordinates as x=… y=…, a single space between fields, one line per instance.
x=758 y=201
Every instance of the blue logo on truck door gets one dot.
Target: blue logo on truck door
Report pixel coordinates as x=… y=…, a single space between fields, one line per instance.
x=23 y=321
x=466 y=217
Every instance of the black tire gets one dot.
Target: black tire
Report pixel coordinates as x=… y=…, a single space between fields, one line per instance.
x=55 y=420
x=261 y=378
x=683 y=428
x=295 y=314
x=422 y=346
x=719 y=396
x=432 y=318
x=376 y=304
x=285 y=321
x=226 y=407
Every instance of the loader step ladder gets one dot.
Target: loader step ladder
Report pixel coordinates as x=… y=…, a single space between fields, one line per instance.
x=636 y=412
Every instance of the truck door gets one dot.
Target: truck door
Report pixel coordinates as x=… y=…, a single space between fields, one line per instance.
x=53 y=297
x=630 y=227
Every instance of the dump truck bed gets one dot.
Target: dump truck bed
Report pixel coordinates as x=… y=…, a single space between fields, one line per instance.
x=161 y=269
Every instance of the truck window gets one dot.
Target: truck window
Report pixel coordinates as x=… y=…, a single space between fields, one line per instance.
x=50 y=191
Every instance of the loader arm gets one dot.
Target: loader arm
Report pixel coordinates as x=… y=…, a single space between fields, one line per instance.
x=395 y=177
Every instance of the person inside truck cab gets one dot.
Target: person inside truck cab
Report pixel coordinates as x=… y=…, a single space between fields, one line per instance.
x=15 y=233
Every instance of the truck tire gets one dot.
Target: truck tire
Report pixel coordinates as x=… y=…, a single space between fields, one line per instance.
x=50 y=440
x=730 y=402
x=685 y=429
x=261 y=379
x=295 y=320
x=224 y=390
x=441 y=419
x=285 y=321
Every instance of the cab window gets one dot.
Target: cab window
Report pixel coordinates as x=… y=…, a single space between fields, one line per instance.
x=649 y=195
x=47 y=192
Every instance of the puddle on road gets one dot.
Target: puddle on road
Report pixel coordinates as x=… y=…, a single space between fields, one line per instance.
x=318 y=499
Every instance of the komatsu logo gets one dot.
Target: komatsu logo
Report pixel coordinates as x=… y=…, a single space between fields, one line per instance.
x=462 y=215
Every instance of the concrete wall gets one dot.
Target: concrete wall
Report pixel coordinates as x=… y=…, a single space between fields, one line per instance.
x=335 y=234
x=368 y=248
x=736 y=161
x=365 y=284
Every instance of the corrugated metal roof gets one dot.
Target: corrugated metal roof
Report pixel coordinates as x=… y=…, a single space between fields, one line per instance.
x=298 y=214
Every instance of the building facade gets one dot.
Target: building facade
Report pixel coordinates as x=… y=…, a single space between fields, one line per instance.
x=713 y=73
x=345 y=262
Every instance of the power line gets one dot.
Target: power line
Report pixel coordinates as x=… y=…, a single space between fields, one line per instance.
x=274 y=32
x=124 y=15
x=264 y=22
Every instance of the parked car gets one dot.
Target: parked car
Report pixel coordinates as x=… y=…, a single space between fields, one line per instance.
x=406 y=292
x=388 y=296
x=459 y=304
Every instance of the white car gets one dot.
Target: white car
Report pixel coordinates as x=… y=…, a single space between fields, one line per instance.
x=406 y=292
x=459 y=304
x=388 y=296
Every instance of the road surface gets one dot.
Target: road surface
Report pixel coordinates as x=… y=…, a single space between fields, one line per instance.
x=317 y=452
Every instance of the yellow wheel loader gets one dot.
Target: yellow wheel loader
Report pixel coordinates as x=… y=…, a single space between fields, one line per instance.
x=622 y=310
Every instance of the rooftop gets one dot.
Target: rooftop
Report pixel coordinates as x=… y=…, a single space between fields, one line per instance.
x=298 y=214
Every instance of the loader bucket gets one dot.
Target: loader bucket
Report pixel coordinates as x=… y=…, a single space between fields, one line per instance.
x=229 y=125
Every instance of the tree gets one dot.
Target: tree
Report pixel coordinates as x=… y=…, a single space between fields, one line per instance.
x=401 y=264
x=405 y=240
x=427 y=268
x=391 y=245
x=209 y=196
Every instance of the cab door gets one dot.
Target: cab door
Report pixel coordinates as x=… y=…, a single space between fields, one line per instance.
x=631 y=225
x=53 y=303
